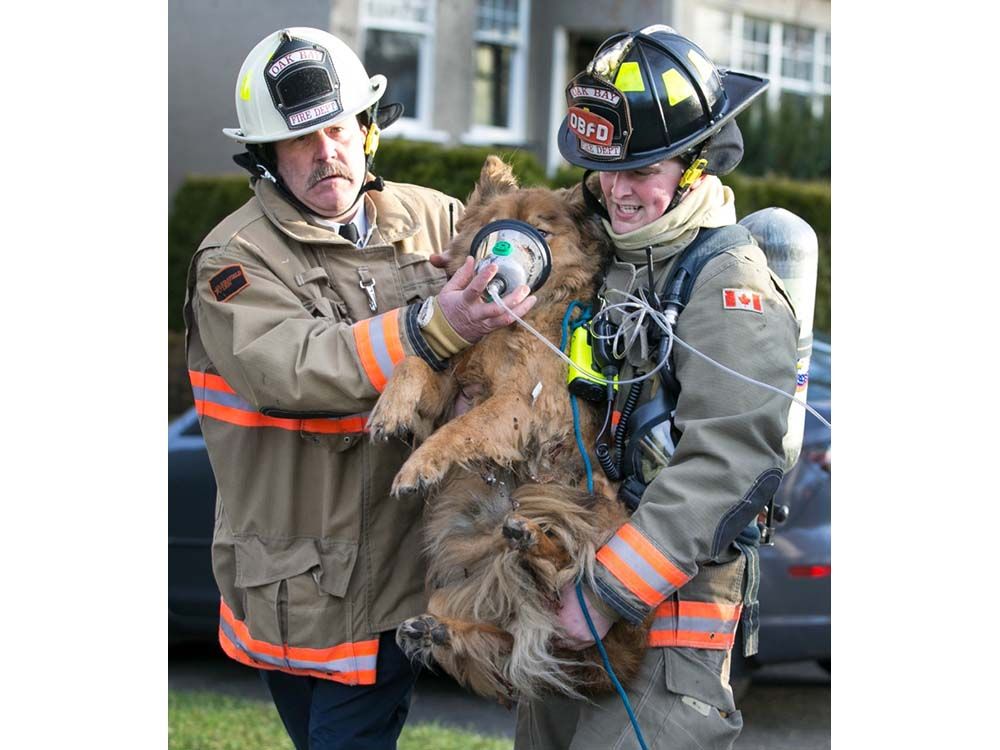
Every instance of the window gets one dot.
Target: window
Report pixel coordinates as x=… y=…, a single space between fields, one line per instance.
x=398 y=43
x=826 y=58
x=795 y=58
x=797 y=52
x=500 y=47
x=756 y=44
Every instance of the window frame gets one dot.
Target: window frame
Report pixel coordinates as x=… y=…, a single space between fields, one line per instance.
x=417 y=124
x=514 y=133
x=815 y=87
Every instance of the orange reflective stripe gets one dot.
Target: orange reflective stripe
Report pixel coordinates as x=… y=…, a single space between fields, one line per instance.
x=344 y=650
x=366 y=353
x=353 y=424
x=341 y=651
x=361 y=677
x=243 y=633
x=632 y=581
x=690 y=639
x=209 y=381
x=645 y=549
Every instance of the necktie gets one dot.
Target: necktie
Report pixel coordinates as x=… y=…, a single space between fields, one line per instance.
x=349 y=232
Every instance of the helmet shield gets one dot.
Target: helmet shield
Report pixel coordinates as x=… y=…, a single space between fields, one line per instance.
x=303 y=83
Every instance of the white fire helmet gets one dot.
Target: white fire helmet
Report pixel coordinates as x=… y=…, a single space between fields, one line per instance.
x=299 y=80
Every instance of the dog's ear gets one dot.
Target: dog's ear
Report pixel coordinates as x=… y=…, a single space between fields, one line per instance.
x=496 y=178
x=587 y=222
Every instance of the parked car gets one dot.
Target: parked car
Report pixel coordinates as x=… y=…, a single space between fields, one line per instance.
x=795 y=571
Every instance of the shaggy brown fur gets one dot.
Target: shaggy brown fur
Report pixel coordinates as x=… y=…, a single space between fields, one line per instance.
x=498 y=556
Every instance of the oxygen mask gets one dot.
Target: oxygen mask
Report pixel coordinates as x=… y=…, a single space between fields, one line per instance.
x=518 y=250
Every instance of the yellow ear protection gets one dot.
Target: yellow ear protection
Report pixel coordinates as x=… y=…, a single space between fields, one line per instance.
x=692 y=173
x=690 y=176
x=371 y=140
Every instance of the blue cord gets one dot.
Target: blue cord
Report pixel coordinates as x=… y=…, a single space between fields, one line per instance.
x=584 y=317
x=579 y=444
x=609 y=670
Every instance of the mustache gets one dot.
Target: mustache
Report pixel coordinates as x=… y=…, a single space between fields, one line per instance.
x=329 y=169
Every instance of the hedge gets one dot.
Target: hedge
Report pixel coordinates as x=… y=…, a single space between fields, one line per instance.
x=201 y=202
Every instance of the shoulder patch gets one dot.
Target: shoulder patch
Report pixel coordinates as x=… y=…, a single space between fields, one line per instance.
x=228 y=282
x=742 y=299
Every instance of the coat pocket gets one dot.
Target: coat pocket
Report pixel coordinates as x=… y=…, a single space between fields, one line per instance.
x=418 y=277
x=290 y=585
x=700 y=673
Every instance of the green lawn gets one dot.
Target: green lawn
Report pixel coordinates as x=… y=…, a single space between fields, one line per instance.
x=208 y=721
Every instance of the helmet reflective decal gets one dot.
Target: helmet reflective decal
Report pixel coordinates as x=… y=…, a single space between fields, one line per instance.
x=245 y=86
x=303 y=83
x=629 y=77
x=678 y=87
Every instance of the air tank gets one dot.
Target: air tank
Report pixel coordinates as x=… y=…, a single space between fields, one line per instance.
x=792 y=252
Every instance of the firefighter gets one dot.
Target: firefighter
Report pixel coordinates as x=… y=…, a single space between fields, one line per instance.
x=299 y=305
x=651 y=120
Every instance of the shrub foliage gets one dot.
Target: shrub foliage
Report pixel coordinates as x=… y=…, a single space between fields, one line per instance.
x=201 y=202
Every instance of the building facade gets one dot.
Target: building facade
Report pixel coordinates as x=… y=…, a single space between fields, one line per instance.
x=483 y=72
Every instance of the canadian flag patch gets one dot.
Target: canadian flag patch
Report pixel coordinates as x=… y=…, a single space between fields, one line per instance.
x=742 y=299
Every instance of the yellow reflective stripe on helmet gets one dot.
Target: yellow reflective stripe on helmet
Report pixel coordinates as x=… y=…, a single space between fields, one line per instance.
x=245 y=87
x=678 y=87
x=629 y=78
x=704 y=67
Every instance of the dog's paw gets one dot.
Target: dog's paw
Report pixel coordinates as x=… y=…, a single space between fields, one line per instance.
x=520 y=533
x=387 y=420
x=420 y=633
x=417 y=475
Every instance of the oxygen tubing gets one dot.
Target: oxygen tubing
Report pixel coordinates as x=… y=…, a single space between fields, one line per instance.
x=609 y=670
x=640 y=309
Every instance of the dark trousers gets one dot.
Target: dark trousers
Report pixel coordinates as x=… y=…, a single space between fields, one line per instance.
x=324 y=715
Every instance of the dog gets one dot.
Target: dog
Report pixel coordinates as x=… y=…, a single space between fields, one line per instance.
x=508 y=525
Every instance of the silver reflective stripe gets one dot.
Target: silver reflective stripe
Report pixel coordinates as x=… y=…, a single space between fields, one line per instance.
x=698 y=624
x=346 y=664
x=222 y=398
x=377 y=335
x=341 y=666
x=642 y=568
x=262 y=658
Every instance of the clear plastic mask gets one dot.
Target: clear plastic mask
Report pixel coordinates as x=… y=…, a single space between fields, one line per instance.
x=518 y=249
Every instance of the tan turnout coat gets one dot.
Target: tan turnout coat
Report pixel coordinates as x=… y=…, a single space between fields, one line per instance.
x=312 y=557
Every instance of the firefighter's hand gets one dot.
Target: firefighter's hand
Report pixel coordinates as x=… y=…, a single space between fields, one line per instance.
x=462 y=305
x=577 y=635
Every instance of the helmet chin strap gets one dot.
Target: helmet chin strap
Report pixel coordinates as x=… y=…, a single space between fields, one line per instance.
x=592 y=201
x=257 y=163
x=695 y=169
